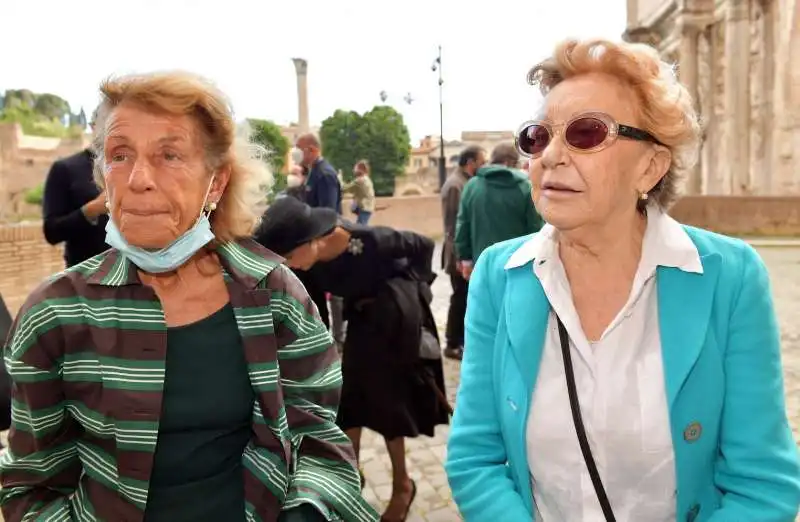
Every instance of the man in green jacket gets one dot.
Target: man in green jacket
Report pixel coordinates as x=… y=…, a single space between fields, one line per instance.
x=495 y=205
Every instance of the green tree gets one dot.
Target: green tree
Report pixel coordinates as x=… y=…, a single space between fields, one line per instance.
x=387 y=147
x=341 y=145
x=379 y=136
x=38 y=114
x=35 y=195
x=51 y=106
x=269 y=135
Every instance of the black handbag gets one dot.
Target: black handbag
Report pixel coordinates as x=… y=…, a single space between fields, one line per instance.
x=575 y=406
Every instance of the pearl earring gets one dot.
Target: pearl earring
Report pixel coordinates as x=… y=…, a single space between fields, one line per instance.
x=108 y=205
x=211 y=206
x=643 y=196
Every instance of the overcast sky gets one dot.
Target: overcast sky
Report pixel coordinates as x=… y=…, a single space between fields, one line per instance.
x=355 y=50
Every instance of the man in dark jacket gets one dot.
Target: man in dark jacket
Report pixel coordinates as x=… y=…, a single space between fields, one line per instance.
x=495 y=205
x=323 y=190
x=322 y=182
x=470 y=160
x=74 y=209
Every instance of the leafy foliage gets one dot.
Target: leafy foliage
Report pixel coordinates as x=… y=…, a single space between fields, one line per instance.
x=340 y=144
x=35 y=195
x=40 y=114
x=379 y=135
x=269 y=135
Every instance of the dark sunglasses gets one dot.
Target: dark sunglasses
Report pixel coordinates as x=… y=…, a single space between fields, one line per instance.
x=588 y=132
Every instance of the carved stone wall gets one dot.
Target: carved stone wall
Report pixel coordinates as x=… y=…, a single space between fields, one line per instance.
x=719 y=181
x=705 y=103
x=745 y=77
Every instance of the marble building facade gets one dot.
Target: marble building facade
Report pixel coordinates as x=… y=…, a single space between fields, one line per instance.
x=740 y=59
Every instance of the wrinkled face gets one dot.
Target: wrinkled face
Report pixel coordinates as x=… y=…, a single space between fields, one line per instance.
x=573 y=188
x=156 y=175
x=304 y=256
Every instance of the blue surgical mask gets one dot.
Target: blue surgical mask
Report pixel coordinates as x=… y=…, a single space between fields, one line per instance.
x=170 y=257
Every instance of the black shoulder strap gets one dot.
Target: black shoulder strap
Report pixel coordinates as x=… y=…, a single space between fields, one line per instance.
x=579 y=429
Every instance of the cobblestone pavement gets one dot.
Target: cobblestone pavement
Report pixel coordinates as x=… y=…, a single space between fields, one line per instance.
x=426 y=455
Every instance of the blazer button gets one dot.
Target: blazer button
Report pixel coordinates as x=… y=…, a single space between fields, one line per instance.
x=691 y=515
x=692 y=432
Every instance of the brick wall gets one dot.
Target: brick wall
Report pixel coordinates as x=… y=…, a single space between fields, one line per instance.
x=25 y=260
x=422 y=214
x=742 y=215
x=732 y=215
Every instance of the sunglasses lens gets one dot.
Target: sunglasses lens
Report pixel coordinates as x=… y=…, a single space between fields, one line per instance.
x=533 y=139
x=586 y=133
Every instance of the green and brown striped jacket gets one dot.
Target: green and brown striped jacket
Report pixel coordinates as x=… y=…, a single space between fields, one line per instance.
x=87 y=357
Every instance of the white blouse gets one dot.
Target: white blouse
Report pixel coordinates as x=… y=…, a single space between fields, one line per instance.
x=621 y=390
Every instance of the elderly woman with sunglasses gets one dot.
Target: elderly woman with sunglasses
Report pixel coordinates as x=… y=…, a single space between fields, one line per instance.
x=184 y=374
x=619 y=365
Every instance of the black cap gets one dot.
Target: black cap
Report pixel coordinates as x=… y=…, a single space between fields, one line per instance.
x=289 y=223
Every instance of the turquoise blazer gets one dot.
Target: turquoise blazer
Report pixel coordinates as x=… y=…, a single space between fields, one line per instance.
x=735 y=456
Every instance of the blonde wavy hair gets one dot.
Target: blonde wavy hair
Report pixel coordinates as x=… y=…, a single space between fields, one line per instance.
x=665 y=108
x=239 y=210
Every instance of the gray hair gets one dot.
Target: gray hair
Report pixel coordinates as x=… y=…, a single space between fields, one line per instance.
x=505 y=154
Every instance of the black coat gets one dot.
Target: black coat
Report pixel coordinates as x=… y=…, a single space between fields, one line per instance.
x=5 y=380
x=384 y=278
x=70 y=185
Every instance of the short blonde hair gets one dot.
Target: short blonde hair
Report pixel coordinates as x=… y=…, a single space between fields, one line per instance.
x=179 y=93
x=665 y=109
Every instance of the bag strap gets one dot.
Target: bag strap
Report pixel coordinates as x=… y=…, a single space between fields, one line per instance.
x=579 y=428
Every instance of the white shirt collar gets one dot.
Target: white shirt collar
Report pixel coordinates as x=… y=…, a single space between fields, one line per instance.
x=665 y=243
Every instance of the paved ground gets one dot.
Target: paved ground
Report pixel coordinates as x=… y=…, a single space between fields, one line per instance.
x=426 y=456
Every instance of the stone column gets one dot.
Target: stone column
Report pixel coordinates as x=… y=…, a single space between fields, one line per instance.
x=762 y=80
x=737 y=95
x=688 y=72
x=786 y=138
x=301 y=67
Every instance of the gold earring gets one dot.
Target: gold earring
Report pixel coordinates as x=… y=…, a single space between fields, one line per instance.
x=211 y=206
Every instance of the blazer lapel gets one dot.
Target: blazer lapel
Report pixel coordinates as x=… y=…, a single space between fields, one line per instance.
x=527 y=311
x=685 y=300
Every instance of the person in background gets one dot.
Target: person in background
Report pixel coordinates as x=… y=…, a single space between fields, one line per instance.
x=363 y=192
x=469 y=161
x=323 y=189
x=74 y=208
x=495 y=205
x=184 y=375
x=619 y=365
x=384 y=276
x=295 y=183
x=5 y=379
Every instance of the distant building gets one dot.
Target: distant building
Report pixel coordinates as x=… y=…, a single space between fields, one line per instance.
x=422 y=170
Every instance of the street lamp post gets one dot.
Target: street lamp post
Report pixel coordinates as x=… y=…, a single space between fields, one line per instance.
x=437 y=66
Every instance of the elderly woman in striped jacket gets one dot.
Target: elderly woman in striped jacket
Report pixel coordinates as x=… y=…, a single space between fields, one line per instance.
x=183 y=375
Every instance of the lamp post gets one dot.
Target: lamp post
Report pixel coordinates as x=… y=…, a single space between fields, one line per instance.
x=437 y=66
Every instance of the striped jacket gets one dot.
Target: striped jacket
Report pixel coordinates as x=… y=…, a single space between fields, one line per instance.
x=87 y=357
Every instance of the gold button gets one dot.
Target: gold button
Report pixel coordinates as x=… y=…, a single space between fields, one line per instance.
x=692 y=432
